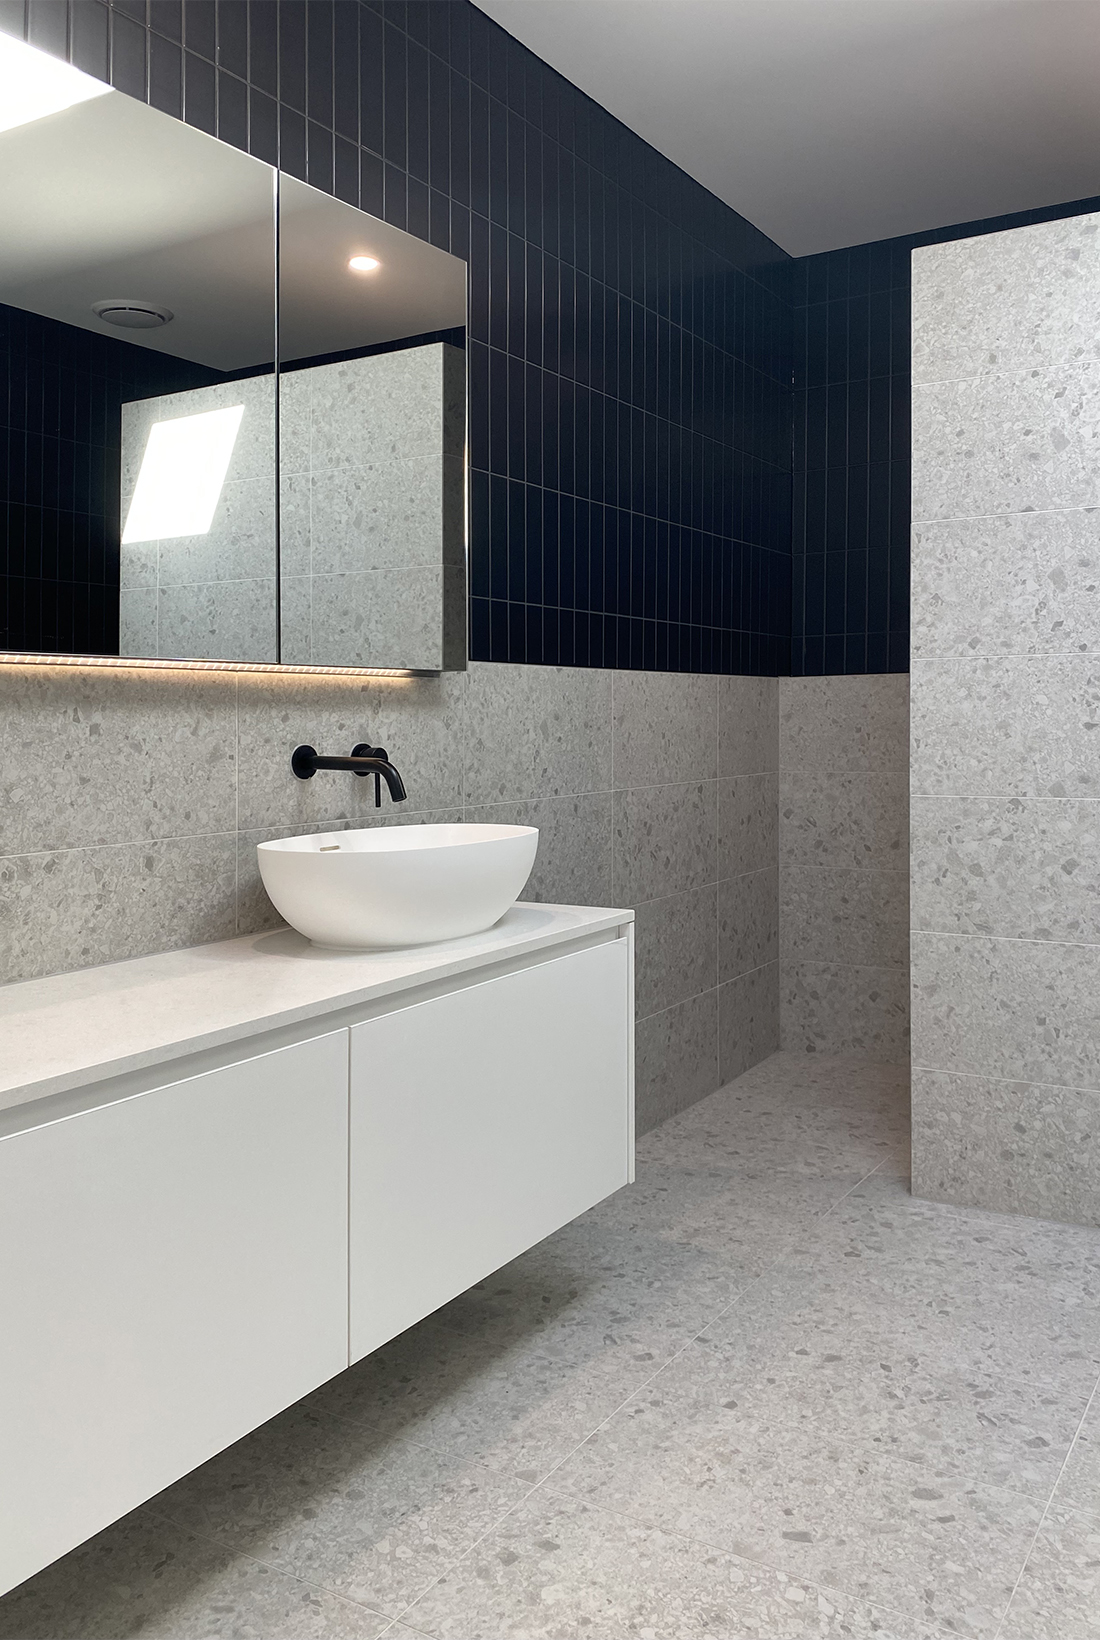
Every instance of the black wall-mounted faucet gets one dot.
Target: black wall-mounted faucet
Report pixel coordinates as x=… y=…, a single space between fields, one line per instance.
x=364 y=759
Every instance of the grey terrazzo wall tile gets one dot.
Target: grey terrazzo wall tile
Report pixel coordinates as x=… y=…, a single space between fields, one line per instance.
x=748 y=923
x=296 y=619
x=837 y=819
x=1005 y=859
x=1020 y=583
x=704 y=888
x=1010 y=726
x=748 y=824
x=89 y=758
x=388 y=406
x=855 y=916
x=217 y=590
x=536 y=731
x=748 y=1020
x=1013 y=1147
x=239 y=546
x=1026 y=870
x=855 y=723
x=1023 y=441
x=843 y=885
x=373 y=508
x=383 y=516
x=840 y=1008
x=1016 y=1010
x=665 y=728
x=748 y=726
x=137 y=621
x=81 y=906
x=677 y=1059
x=573 y=864
x=674 y=957
x=666 y=840
x=1007 y=301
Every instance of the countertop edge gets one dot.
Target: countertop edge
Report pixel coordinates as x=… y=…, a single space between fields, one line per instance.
x=97 y=1069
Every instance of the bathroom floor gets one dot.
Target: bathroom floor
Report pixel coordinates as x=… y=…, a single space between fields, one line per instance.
x=761 y=1393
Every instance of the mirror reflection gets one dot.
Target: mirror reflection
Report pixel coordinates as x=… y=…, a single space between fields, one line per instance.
x=206 y=460
x=372 y=424
x=137 y=276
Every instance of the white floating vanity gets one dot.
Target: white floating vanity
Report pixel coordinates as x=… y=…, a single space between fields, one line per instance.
x=229 y=1172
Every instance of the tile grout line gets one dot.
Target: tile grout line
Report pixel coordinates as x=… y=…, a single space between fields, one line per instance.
x=269 y=1565
x=834 y=1590
x=1003 y=939
x=1011 y=1081
x=520 y=1503
x=1046 y=1511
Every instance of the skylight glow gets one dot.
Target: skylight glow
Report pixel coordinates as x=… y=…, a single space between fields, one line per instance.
x=182 y=474
x=33 y=84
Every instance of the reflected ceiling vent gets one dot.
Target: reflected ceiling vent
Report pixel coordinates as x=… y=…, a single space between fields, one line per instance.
x=130 y=315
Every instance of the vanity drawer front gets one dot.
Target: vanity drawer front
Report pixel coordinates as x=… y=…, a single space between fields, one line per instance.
x=480 y=1123
x=173 y=1272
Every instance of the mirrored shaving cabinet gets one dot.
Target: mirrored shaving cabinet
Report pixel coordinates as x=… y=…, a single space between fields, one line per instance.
x=234 y=406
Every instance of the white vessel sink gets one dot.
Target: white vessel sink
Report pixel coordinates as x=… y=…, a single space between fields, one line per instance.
x=397 y=885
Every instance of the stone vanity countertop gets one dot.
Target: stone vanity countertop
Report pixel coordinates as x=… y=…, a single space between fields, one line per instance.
x=70 y=1030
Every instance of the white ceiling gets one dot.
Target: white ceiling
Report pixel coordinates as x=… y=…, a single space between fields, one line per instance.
x=834 y=122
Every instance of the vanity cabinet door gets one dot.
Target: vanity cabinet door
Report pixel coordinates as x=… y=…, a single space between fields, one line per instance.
x=173 y=1271
x=480 y=1122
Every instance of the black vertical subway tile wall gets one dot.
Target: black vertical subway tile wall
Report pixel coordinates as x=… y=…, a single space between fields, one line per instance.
x=850 y=311
x=629 y=339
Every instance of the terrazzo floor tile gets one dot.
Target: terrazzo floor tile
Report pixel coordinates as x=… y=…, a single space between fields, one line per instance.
x=147 y=1576
x=943 y=1549
x=762 y=1394
x=373 y=1519
x=1079 y=1484
x=986 y=1427
x=952 y=1328
x=557 y=1569
x=518 y=1389
x=1059 y=1593
x=609 y=1274
x=762 y=1145
x=751 y=1126
x=744 y=1218
x=880 y=1225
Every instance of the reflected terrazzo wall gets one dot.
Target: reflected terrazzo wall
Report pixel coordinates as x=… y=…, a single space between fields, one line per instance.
x=1006 y=721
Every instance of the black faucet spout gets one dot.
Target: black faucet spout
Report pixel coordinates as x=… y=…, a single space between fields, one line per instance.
x=364 y=760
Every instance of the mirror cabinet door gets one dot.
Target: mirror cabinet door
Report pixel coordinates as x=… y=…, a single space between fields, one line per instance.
x=235 y=407
x=137 y=283
x=372 y=437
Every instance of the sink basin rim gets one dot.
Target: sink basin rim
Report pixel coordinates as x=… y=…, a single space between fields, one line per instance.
x=398 y=839
x=388 y=887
